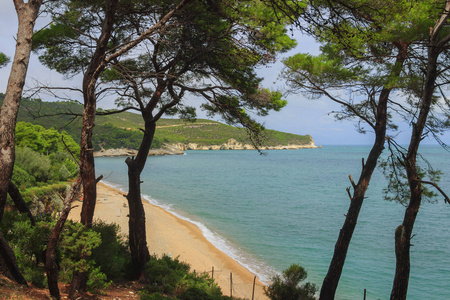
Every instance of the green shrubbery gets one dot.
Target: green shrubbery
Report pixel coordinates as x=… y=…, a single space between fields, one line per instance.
x=104 y=254
x=287 y=286
x=112 y=255
x=122 y=130
x=112 y=137
x=29 y=245
x=42 y=157
x=80 y=249
x=171 y=279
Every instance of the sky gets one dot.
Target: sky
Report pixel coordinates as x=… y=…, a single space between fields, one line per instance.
x=300 y=116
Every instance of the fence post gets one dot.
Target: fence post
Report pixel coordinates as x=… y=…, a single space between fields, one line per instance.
x=231 y=285
x=253 y=292
x=212 y=272
x=365 y=291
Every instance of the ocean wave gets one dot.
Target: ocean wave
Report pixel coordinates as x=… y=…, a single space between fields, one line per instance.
x=263 y=271
x=259 y=268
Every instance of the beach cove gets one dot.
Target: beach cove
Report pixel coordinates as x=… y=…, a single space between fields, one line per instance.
x=168 y=234
x=270 y=211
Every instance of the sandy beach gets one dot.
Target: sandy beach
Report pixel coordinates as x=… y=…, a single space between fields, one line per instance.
x=168 y=234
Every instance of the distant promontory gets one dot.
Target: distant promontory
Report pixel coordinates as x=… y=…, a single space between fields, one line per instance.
x=120 y=134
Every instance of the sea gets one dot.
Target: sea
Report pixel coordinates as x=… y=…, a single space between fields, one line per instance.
x=287 y=206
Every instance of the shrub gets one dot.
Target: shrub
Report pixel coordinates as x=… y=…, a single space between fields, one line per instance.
x=171 y=277
x=288 y=286
x=112 y=255
x=77 y=244
x=34 y=163
x=165 y=273
x=29 y=244
x=22 y=179
x=77 y=250
x=97 y=280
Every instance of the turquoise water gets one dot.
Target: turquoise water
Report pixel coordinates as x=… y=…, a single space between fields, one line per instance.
x=288 y=206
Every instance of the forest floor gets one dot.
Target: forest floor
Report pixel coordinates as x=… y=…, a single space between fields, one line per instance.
x=11 y=290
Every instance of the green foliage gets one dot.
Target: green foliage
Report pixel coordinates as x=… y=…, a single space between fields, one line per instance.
x=60 y=58
x=109 y=136
x=362 y=42
x=41 y=158
x=29 y=245
x=44 y=141
x=34 y=163
x=172 y=278
x=76 y=247
x=45 y=199
x=110 y=130
x=218 y=43
x=166 y=273
x=394 y=170
x=4 y=60
x=22 y=178
x=287 y=286
x=97 y=280
x=112 y=255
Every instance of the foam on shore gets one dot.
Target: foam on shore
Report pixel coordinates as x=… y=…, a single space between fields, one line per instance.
x=263 y=271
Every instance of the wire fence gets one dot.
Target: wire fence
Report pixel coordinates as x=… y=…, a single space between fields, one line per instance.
x=236 y=285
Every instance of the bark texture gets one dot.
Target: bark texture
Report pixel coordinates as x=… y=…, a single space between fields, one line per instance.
x=27 y=14
x=8 y=265
x=403 y=232
x=51 y=265
x=87 y=166
x=137 y=235
x=331 y=280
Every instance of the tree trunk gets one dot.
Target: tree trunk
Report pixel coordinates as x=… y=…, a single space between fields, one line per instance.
x=137 y=233
x=27 y=14
x=50 y=255
x=8 y=265
x=20 y=204
x=331 y=280
x=87 y=169
x=403 y=232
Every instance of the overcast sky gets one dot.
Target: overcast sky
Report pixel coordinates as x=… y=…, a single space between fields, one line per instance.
x=300 y=116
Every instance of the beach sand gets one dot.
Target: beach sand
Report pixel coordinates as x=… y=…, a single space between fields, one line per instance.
x=168 y=234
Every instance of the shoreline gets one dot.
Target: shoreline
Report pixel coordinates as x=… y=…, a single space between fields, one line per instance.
x=170 y=234
x=178 y=149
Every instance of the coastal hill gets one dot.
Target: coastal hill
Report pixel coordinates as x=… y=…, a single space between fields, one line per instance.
x=119 y=134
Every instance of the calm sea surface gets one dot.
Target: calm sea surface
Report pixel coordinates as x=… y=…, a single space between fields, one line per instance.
x=288 y=206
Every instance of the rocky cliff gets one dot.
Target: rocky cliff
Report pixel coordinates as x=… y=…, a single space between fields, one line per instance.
x=179 y=148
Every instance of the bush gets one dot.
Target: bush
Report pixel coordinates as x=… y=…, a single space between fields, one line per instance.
x=45 y=199
x=34 y=163
x=288 y=286
x=172 y=278
x=112 y=255
x=165 y=273
x=22 y=179
x=29 y=244
x=77 y=244
x=77 y=251
x=97 y=280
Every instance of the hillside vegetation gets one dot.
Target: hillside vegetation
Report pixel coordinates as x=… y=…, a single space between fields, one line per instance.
x=122 y=130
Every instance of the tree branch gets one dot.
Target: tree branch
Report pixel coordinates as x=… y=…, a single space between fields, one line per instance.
x=446 y=198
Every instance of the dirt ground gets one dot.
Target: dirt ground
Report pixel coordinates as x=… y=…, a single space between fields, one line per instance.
x=11 y=290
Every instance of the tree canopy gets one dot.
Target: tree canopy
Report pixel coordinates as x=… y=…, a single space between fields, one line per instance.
x=375 y=62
